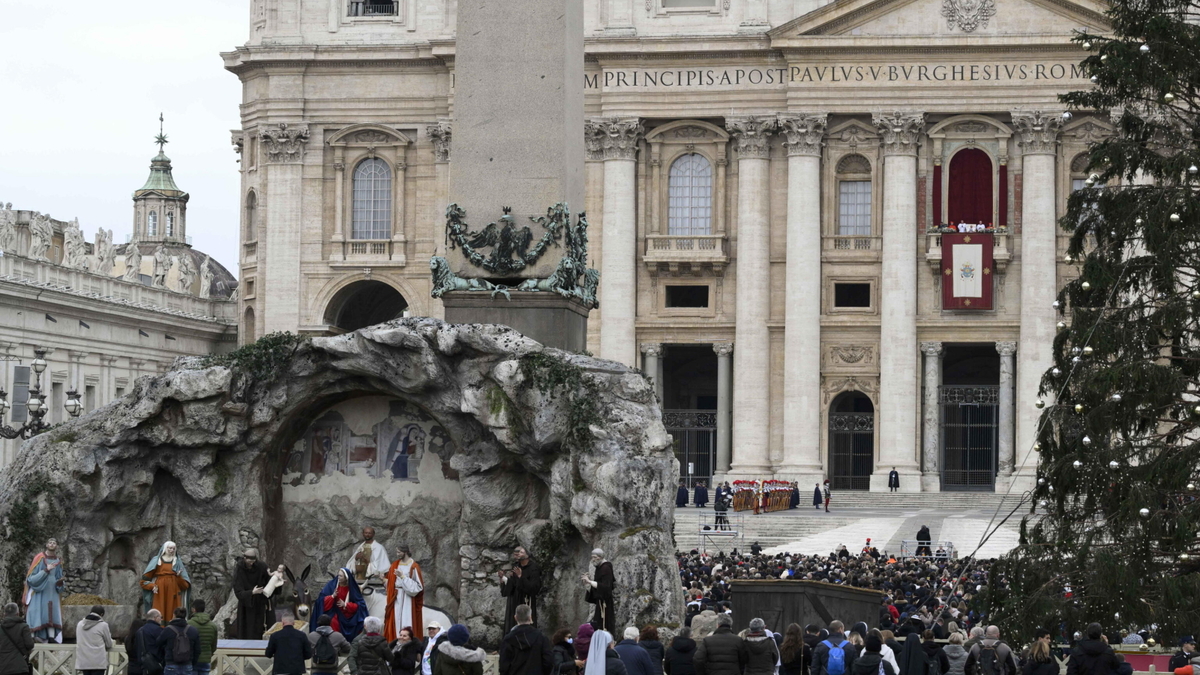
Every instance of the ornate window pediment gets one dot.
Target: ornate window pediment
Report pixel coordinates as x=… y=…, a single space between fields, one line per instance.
x=368 y=136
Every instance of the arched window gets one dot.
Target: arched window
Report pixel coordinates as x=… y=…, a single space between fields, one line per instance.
x=152 y=224
x=251 y=217
x=248 y=327
x=970 y=184
x=372 y=200
x=690 y=191
x=170 y=223
x=854 y=196
x=1079 y=171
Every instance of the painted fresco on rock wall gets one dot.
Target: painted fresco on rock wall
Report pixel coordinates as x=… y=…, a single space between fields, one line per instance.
x=374 y=436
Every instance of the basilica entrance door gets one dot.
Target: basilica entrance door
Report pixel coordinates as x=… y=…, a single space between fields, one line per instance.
x=969 y=436
x=694 y=433
x=851 y=441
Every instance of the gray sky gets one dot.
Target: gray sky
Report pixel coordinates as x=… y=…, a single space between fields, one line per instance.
x=81 y=87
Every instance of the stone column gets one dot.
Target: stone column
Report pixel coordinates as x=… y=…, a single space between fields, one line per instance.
x=803 y=138
x=751 y=400
x=724 y=352
x=931 y=480
x=107 y=389
x=1037 y=135
x=651 y=353
x=440 y=134
x=282 y=146
x=75 y=370
x=1006 y=449
x=900 y=133
x=615 y=141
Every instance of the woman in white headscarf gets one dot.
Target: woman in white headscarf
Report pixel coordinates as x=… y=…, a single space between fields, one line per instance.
x=165 y=582
x=602 y=658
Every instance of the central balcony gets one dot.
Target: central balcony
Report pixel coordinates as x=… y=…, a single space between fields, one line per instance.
x=373 y=8
x=677 y=254
x=368 y=253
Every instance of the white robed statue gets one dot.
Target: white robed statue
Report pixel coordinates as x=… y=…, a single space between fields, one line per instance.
x=370 y=565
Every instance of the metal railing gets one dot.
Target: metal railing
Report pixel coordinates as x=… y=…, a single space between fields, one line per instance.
x=374 y=8
x=937 y=549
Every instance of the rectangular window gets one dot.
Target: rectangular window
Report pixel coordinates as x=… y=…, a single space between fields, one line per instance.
x=20 y=394
x=120 y=392
x=672 y=4
x=89 y=398
x=1077 y=184
x=854 y=208
x=690 y=297
x=56 y=402
x=852 y=295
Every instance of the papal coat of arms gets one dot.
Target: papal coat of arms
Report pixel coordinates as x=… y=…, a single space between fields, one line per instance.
x=967 y=271
x=968 y=14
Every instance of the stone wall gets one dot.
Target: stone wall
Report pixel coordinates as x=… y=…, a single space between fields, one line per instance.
x=197 y=456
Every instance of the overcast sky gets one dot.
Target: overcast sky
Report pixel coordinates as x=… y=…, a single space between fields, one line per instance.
x=81 y=87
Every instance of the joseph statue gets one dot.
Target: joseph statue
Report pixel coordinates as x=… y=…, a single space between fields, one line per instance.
x=249 y=581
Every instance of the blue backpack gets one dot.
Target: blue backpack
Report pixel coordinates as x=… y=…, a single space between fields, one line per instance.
x=837 y=658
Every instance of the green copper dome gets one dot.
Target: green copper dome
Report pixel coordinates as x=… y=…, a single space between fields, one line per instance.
x=160 y=179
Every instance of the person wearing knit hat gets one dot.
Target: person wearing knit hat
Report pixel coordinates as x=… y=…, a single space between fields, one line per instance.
x=871 y=662
x=456 y=657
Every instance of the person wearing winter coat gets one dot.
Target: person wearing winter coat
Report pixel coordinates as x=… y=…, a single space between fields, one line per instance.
x=208 y=636
x=603 y=658
x=17 y=643
x=338 y=641
x=794 y=652
x=648 y=640
x=93 y=640
x=583 y=641
x=871 y=662
x=406 y=652
x=563 y=653
x=369 y=652
x=704 y=624
x=1187 y=652
x=288 y=647
x=456 y=657
x=761 y=651
x=635 y=658
x=1092 y=655
x=722 y=653
x=677 y=660
x=1005 y=659
x=956 y=656
x=1040 y=661
x=933 y=652
x=837 y=637
x=525 y=650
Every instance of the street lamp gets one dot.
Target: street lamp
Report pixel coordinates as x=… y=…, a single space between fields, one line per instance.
x=35 y=405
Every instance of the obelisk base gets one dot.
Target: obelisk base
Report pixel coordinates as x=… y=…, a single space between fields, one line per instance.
x=549 y=318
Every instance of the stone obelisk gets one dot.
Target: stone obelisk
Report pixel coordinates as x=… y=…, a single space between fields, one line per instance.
x=518 y=142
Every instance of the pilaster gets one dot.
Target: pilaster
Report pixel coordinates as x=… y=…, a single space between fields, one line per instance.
x=724 y=352
x=283 y=146
x=931 y=480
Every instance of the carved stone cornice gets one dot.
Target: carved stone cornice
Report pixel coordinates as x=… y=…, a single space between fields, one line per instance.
x=283 y=143
x=440 y=133
x=1037 y=132
x=932 y=348
x=803 y=133
x=238 y=139
x=1006 y=348
x=612 y=137
x=652 y=349
x=752 y=135
x=723 y=348
x=899 y=132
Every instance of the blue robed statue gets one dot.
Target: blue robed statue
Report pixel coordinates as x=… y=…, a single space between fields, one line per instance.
x=43 y=586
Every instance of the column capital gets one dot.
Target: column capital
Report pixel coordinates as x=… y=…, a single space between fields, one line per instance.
x=723 y=348
x=76 y=356
x=752 y=135
x=803 y=133
x=932 y=348
x=440 y=133
x=284 y=143
x=108 y=360
x=612 y=137
x=652 y=349
x=1037 y=132
x=1006 y=348
x=899 y=132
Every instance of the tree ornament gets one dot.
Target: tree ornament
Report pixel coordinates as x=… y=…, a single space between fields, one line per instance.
x=1138 y=222
x=1169 y=97
x=1114 y=465
x=1193 y=169
x=1144 y=512
x=1196 y=295
x=1041 y=481
x=1068 y=259
x=1087 y=440
x=1066 y=116
x=1175 y=218
x=1095 y=79
x=1060 y=325
x=1055 y=304
x=1075 y=359
x=1050 y=489
x=1196 y=410
x=1191 y=486
x=1086 y=286
x=1042 y=504
x=1055 y=371
x=1183 y=556
x=1074 y=350
x=1078 y=407
x=1116 y=398
x=1151 y=642
x=1037 y=447
x=1089 y=181
x=1039 y=404
x=1144 y=48
x=1117 y=615
x=1103 y=58
x=1087 y=351
x=1077 y=464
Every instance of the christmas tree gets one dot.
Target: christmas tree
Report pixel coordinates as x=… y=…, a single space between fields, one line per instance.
x=1115 y=534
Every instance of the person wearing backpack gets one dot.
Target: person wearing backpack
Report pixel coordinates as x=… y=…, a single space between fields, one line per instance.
x=289 y=648
x=936 y=661
x=992 y=656
x=834 y=655
x=328 y=645
x=178 y=646
x=871 y=661
x=208 y=636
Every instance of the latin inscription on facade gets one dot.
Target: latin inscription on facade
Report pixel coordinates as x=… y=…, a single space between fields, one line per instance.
x=853 y=73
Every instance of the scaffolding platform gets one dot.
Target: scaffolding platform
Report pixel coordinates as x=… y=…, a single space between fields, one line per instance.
x=725 y=535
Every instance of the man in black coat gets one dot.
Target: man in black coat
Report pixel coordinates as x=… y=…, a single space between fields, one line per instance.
x=521 y=586
x=836 y=640
x=165 y=646
x=700 y=498
x=249 y=579
x=289 y=648
x=893 y=480
x=1187 y=651
x=145 y=644
x=723 y=652
x=600 y=593
x=524 y=650
x=17 y=642
x=924 y=539
x=1092 y=655
x=681 y=496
